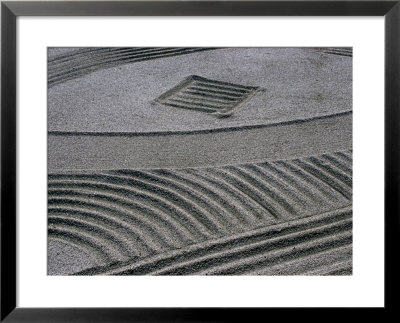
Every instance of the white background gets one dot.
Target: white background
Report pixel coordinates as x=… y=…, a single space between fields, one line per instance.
x=364 y=288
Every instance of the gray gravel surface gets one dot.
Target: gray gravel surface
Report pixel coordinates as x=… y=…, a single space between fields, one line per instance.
x=140 y=187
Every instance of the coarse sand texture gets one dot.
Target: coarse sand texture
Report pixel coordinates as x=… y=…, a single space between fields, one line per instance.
x=199 y=161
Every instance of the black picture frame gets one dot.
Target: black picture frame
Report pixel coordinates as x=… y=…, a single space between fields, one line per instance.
x=10 y=10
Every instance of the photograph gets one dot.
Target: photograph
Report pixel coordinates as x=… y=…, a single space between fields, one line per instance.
x=199 y=161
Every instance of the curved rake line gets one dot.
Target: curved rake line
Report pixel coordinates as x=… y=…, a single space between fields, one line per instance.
x=60 y=77
x=231 y=210
x=219 y=179
x=118 y=185
x=323 y=176
x=91 y=62
x=302 y=264
x=67 y=55
x=213 y=258
x=104 y=60
x=347 y=155
x=334 y=160
x=344 y=49
x=107 y=55
x=340 y=157
x=68 y=236
x=347 y=161
x=75 y=54
x=289 y=260
x=320 y=187
x=148 y=191
x=91 y=59
x=332 y=170
x=211 y=223
x=108 y=237
x=236 y=254
x=338 y=53
x=263 y=185
x=95 y=53
x=100 y=209
x=99 y=57
x=304 y=189
x=252 y=212
x=213 y=187
x=128 y=230
x=339 y=50
x=212 y=209
x=277 y=184
x=142 y=212
x=126 y=218
x=250 y=192
x=228 y=129
x=277 y=232
x=275 y=256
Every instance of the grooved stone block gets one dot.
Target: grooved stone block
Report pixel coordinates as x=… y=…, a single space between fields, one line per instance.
x=199 y=93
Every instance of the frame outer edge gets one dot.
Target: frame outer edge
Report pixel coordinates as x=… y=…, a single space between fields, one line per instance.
x=392 y=153
x=203 y=8
x=8 y=161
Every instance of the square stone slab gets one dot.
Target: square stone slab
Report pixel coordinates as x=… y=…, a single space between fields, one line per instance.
x=202 y=94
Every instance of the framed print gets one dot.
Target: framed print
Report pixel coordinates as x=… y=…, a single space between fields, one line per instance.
x=197 y=161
